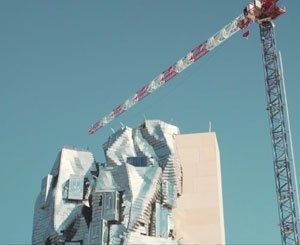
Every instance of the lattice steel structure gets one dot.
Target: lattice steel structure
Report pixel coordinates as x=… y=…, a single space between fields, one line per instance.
x=279 y=134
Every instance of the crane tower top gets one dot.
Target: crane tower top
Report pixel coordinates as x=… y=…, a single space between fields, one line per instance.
x=263 y=10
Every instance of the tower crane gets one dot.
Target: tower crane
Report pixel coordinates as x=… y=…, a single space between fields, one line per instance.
x=262 y=12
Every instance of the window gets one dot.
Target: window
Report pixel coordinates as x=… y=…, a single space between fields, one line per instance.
x=75 y=187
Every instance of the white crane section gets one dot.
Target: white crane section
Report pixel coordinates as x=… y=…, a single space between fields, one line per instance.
x=237 y=24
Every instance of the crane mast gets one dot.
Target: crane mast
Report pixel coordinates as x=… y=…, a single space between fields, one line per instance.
x=279 y=135
x=262 y=12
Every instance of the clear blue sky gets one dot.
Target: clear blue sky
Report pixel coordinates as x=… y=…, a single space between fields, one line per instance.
x=64 y=64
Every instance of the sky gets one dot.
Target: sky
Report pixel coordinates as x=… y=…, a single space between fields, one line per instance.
x=65 y=64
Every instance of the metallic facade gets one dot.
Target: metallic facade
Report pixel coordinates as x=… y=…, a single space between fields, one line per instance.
x=132 y=198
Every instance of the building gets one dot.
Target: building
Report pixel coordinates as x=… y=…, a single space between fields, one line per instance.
x=199 y=213
x=157 y=186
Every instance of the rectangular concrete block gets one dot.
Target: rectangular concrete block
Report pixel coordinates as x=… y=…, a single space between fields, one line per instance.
x=199 y=214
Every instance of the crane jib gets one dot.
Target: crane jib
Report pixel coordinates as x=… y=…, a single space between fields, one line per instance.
x=182 y=64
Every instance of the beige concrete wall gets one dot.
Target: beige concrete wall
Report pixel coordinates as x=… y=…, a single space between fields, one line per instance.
x=199 y=214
